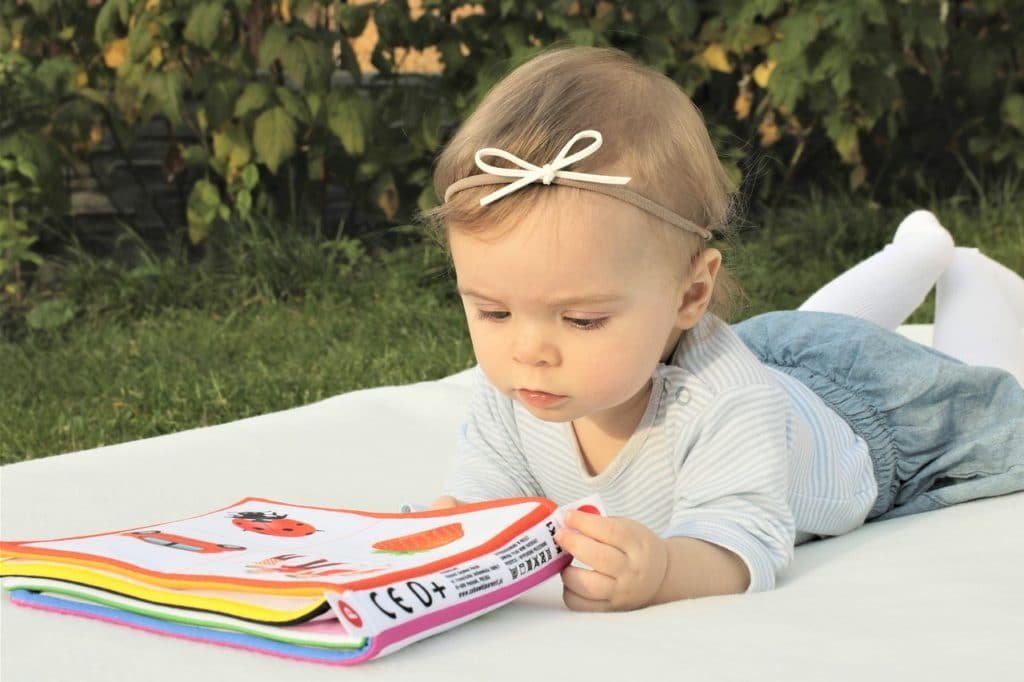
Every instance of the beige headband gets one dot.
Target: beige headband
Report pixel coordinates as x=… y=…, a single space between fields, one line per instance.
x=552 y=173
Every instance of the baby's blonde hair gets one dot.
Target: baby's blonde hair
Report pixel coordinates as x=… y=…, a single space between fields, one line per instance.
x=652 y=132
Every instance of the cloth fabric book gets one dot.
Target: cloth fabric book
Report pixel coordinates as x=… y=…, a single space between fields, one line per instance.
x=335 y=586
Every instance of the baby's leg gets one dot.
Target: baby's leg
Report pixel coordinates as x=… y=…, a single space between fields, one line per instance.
x=886 y=287
x=979 y=313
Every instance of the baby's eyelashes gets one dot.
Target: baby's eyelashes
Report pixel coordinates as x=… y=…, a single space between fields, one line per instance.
x=583 y=323
x=587 y=323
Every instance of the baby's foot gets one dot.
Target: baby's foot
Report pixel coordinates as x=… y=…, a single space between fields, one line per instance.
x=923 y=226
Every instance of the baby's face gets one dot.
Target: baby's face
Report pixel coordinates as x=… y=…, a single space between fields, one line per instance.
x=570 y=310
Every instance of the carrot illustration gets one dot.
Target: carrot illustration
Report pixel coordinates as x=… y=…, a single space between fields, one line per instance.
x=422 y=541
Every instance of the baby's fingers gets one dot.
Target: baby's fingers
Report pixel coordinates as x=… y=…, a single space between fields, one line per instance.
x=599 y=556
x=589 y=585
x=444 y=502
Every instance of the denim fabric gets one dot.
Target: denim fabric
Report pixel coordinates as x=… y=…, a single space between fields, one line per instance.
x=939 y=431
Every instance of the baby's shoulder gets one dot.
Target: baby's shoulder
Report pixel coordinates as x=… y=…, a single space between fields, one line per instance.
x=713 y=355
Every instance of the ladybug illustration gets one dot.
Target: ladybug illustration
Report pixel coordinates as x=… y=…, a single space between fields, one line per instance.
x=272 y=523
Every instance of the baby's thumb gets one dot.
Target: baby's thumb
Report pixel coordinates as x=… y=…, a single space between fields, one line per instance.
x=444 y=502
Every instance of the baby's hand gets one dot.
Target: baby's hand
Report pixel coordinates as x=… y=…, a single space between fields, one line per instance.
x=444 y=502
x=628 y=559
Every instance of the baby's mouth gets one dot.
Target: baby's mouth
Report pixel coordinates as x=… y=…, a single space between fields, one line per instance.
x=539 y=398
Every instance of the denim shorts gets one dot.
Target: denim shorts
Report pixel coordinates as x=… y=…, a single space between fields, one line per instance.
x=939 y=431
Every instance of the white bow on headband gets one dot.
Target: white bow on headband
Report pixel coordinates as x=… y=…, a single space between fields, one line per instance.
x=549 y=171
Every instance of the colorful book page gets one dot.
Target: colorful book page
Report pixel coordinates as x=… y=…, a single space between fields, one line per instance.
x=256 y=607
x=326 y=632
x=235 y=640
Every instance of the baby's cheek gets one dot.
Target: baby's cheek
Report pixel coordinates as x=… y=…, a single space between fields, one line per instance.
x=616 y=381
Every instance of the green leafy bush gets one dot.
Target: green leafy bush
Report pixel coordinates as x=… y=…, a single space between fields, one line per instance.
x=270 y=117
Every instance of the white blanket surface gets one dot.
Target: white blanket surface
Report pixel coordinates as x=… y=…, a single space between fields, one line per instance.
x=937 y=596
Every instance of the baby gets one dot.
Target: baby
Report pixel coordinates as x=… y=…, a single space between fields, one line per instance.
x=578 y=201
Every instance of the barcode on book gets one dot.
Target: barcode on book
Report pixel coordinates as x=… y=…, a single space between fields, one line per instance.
x=369 y=612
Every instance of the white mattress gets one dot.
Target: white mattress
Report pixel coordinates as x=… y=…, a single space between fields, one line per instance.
x=936 y=596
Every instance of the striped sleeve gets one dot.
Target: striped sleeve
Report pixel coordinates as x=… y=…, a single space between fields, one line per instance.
x=731 y=487
x=489 y=462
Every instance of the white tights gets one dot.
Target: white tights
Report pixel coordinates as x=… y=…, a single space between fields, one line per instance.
x=979 y=303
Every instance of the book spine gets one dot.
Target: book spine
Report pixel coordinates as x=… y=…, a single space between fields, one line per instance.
x=408 y=610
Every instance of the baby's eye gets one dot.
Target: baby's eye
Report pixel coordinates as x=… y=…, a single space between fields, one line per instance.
x=587 y=323
x=496 y=315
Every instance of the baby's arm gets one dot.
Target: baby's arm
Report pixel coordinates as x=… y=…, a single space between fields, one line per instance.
x=731 y=529
x=732 y=485
x=632 y=567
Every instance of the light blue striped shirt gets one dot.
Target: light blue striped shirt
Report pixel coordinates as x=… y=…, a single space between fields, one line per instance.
x=728 y=451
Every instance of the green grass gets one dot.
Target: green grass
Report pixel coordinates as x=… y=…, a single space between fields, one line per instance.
x=165 y=347
x=108 y=380
x=801 y=245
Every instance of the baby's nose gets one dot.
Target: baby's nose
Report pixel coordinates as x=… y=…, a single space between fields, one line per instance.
x=532 y=348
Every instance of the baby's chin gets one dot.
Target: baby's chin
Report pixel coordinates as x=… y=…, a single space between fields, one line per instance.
x=554 y=418
x=558 y=414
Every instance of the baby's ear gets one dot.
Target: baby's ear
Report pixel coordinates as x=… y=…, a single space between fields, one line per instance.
x=698 y=287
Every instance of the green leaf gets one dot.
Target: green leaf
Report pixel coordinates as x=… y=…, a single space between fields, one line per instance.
x=348 y=117
x=167 y=89
x=250 y=176
x=41 y=6
x=140 y=42
x=427 y=199
x=219 y=102
x=431 y=128
x=798 y=31
x=274 y=137
x=27 y=169
x=350 y=62
x=353 y=18
x=367 y=170
x=306 y=63
x=243 y=202
x=204 y=23
x=203 y=207
x=844 y=137
x=451 y=53
x=12 y=193
x=318 y=64
x=582 y=37
x=195 y=156
x=293 y=104
x=253 y=98
x=273 y=44
x=1012 y=111
x=50 y=315
x=787 y=82
x=683 y=17
x=293 y=58
x=231 y=148
x=315 y=161
x=57 y=73
x=313 y=103
x=93 y=95
x=111 y=12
